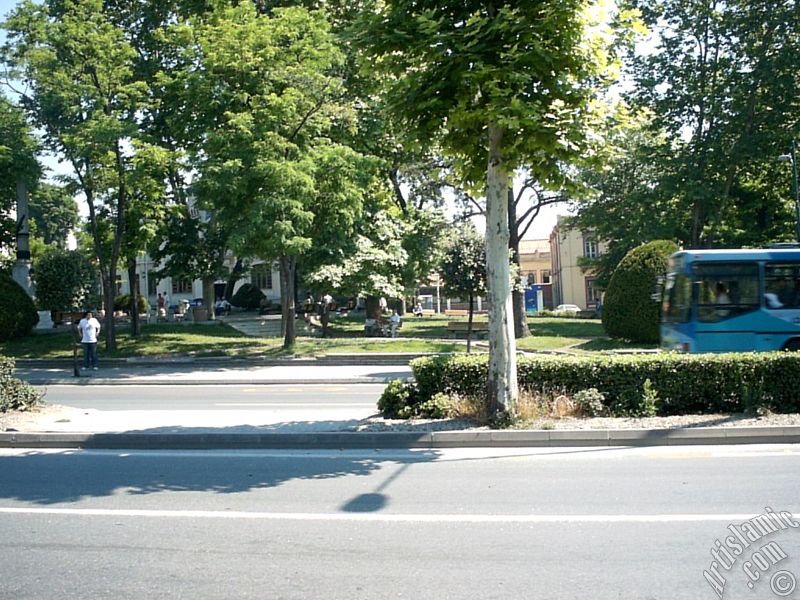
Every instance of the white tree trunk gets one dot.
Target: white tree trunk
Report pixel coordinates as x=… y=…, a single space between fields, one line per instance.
x=502 y=388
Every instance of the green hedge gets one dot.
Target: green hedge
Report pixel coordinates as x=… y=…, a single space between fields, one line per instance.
x=684 y=384
x=15 y=394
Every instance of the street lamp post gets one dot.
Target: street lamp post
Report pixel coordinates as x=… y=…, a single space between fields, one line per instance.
x=792 y=158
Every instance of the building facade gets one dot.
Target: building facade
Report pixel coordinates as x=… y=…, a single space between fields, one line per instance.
x=263 y=274
x=572 y=283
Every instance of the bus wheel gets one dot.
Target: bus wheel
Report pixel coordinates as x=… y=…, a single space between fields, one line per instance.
x=792 y=345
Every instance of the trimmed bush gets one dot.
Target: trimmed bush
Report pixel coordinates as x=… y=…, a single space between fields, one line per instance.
x=15 y=394
x=248 y=296
x=18 y=313
x=629 y=309
x=397 y=396
x=401 y=399
x=590 y=402
x=678 y=383
x=124 y=303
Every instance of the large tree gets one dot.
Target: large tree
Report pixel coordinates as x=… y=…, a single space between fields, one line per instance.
x=85 y=95
x=721 y=83
x=266 y=94
x=499 y=84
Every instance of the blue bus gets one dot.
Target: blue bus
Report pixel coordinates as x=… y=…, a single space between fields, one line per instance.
x=732 y=301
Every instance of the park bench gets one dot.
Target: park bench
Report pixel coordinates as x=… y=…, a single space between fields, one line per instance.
x=66 y=316
x=454 y=328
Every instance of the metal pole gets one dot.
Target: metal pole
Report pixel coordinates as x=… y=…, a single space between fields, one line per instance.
x=795 y=191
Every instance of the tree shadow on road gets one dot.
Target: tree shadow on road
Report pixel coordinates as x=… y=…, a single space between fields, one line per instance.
x=70 y=476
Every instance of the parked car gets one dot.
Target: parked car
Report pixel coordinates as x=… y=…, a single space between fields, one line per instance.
x=568 y=309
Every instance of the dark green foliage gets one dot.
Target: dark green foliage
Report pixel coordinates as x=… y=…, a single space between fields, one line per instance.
x=248 y=296
x=65 y=280
x=678 y=383
x=629 y=308
x=15 y=394
x=55 y=213
x=464 y=263
x=397 y=396
x=18 y=313
x=401 y=399
x=124 y=303
x=438 y=374
x=438 y=407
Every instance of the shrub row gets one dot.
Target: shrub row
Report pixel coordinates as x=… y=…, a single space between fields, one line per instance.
x=682 y=384
x=15 y=394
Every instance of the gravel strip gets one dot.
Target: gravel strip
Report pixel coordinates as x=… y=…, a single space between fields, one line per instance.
x=32 y=421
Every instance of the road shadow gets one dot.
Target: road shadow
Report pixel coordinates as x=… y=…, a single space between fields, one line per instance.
x=48 y=478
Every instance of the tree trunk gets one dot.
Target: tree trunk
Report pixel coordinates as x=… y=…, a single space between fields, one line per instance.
x=108 y=304
x=287 y=267
x=373 y=307
x=518 y=295
x=133 y=285
x=236 y=274
x=502 y=384
x=208 y=296
x=469 y=322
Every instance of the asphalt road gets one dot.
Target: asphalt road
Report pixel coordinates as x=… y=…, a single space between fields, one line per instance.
x=561 y=523
x=215 y=397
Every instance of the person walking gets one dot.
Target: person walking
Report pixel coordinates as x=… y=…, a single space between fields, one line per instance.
x=89 y=328
x=394 y=322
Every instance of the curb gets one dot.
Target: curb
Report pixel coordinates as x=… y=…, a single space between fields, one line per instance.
x=82 y=381
x=406 y=440
x=354 y=359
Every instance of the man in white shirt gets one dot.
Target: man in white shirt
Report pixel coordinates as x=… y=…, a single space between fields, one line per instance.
x=89 y=328
x=394 y=322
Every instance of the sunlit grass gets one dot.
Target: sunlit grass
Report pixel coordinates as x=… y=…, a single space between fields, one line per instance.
x=418 y=335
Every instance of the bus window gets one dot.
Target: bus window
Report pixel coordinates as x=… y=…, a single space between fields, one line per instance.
x=677 y=298
x=781 y=286
x=725 y=290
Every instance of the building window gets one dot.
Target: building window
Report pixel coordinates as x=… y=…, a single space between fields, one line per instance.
x=152 y=283
x=181 y=286
x=531 y=278
x=590 y=248
x=261 y=276
x=545 y=276
x=593 y=294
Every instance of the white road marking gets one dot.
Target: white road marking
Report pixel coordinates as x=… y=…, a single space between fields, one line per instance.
x=382 y=517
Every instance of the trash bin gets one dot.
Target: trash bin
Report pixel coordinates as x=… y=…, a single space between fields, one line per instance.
x=200 y=313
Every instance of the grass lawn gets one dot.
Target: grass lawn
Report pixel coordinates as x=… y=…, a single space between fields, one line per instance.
x=214 y=340
x=419 y=335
